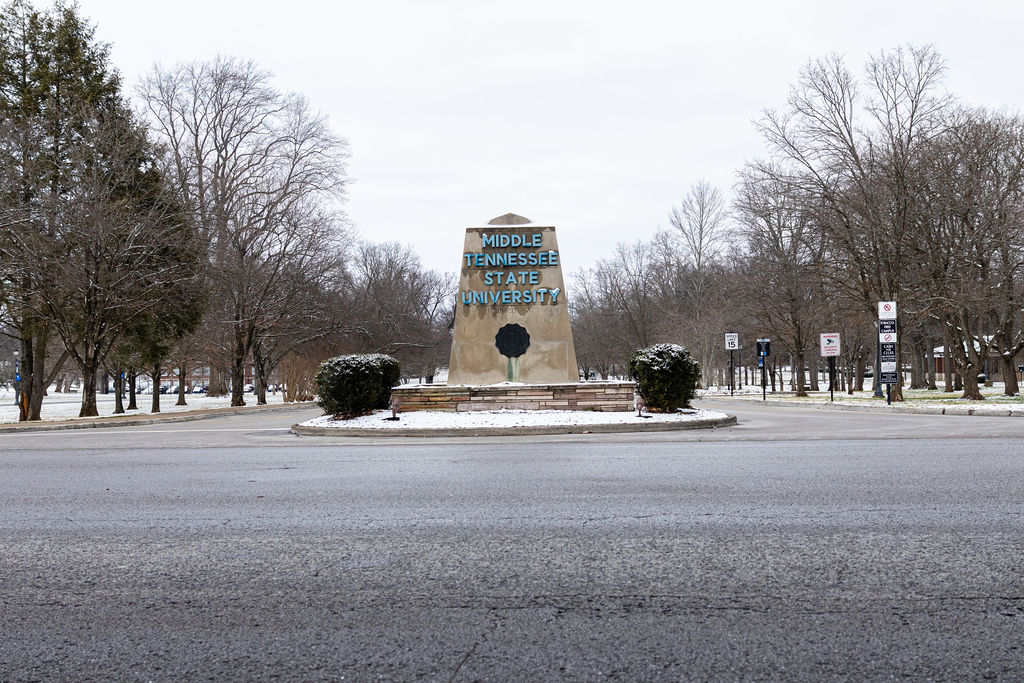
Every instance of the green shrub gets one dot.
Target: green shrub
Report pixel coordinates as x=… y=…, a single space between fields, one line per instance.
x=666 y=376
x=348 y=386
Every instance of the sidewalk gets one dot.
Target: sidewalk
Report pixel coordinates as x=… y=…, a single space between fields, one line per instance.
x=144 y=418
x=918 y=402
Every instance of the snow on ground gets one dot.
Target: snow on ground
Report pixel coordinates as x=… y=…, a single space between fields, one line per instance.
x=504 y=418
x=995 y=403
x=66 y=406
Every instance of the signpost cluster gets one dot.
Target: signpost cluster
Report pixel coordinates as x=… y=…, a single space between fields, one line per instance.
x=732 y=342
x=887 y=360
x=831 y=347
x=764 y=349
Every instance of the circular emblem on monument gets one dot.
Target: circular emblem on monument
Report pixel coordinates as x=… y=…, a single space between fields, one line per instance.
x=512 y=340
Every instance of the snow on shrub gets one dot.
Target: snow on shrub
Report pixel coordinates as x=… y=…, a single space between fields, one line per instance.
x=348 y=386
x=666 y=376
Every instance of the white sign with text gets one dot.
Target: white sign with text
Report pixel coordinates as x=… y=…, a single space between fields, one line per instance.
x=830 y=344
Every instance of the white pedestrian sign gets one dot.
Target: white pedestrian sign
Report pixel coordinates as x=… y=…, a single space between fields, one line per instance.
x=830 y=344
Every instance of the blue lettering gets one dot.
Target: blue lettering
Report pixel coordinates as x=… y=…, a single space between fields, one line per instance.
x=467 y=297
x=542 y=258
x=554 y=295
x=506 y=297
x=537 y=240
x=534 y=277
x=503 y=241
x=553 y=258
x=517 y=296
x=489 y=278
x=494 y=297
x=469 y=260
x=488 y=240
x=527 y=296
x=540 y=295
x=479 y=258
x=479 y=297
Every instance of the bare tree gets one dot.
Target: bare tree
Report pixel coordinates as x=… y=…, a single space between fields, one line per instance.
x=858 y=155
x=782 y=264
x=403 y=309
x=247 y=161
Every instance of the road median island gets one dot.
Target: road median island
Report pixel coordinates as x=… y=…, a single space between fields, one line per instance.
x=138 y=419
x=713 y=421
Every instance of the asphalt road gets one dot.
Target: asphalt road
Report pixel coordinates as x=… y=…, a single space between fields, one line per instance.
x=799 y=545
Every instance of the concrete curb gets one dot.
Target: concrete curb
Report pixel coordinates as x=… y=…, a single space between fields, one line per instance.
x=714 y=423
x=905 y=409
x=146 y=419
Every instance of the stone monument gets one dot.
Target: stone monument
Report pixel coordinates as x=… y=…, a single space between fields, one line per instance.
x=512 y=316
x=512 y=346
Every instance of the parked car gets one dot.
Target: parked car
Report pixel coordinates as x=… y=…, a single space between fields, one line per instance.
x=199 y=389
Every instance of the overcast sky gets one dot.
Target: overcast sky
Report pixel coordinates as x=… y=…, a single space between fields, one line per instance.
x=594 y=117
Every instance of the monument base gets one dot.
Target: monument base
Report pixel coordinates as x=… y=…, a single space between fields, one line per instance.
x=600 y=396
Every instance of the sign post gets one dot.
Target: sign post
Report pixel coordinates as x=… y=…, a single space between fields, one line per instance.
x=830 y=348
x=887 y=339
x=764 y=349
x=732 y=342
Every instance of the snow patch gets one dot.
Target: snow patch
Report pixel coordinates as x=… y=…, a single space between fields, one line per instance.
x=425 y=419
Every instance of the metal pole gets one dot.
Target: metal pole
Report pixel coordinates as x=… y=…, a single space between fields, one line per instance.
x=831 y=378
x=878 y=368
x=732 y=374
x=764 y=385
x=888 y=394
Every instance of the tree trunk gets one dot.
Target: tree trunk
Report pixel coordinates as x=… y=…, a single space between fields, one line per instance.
x=182 y=369
x=118 y=392
x=916 y=369
x=815 y=362
x=1010 y=386
x=89 y=371
x=930 y=360
x=154 y=374
x=218 y=386
x=238 y=381
x=259 y=363
x=971 y=390
x=133 y=389
x=958 y=381
x=33 y=381
x=801 y=390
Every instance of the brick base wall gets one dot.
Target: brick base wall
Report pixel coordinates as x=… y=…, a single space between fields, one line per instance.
x=599 y=396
